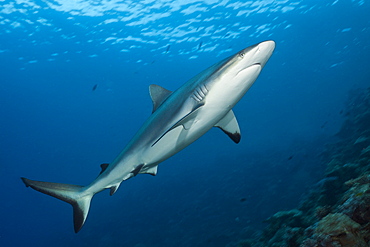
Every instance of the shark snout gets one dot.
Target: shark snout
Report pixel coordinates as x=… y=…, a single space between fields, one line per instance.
x=268 y=45
x=265 y=50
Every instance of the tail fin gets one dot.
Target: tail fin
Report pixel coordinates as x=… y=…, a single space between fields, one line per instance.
x=68 y=193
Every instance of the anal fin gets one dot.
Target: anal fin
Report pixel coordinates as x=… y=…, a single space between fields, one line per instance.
x=113 y=189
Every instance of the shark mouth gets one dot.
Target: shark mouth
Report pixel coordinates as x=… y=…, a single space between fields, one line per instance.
x=248 y=68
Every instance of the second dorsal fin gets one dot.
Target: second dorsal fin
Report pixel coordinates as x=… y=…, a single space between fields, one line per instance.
x=103 y=167
x=158 y=95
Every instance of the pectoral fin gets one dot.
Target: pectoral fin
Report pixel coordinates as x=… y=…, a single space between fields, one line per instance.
x=185 y=121
x=229 y=125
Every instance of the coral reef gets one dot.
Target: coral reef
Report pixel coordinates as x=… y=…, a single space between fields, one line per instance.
x=336 y=230
x=336 y=212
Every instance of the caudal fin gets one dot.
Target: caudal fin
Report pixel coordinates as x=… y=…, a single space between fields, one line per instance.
x=73 y=194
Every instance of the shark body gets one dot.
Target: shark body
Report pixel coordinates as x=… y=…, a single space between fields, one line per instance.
x=178 y=119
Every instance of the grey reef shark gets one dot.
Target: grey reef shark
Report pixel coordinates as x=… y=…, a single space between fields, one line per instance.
x=178 y=119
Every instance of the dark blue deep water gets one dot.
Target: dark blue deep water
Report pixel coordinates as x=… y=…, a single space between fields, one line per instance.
x=74 y=79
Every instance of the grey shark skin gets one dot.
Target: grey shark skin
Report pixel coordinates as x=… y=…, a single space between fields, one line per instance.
x=178 y=119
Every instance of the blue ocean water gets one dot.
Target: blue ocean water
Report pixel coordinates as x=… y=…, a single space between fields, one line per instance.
x=74 y=90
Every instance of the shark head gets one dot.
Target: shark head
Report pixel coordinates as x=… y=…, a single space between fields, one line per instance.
x=253 y=55
x=245 y=65
x=232 y=77
x=248 y=60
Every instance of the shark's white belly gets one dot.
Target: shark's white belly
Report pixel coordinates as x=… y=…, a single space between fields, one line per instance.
x=218 y=103
x=178 y=138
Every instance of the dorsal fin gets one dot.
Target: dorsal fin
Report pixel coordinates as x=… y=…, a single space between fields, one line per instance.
x=229 y=125
x=103 y=167
x=158 y=95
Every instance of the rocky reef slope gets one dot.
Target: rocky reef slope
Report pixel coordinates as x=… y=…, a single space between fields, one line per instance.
x=336 y=212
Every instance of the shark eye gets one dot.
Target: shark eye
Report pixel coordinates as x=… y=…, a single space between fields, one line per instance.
x=241 y=54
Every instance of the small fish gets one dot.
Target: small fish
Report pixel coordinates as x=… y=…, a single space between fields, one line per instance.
x=243 y=199
x=359 y=194
x=324 y=124
x=94 y=87
x=290 y=157
x=200 y=45
x=168 y=48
